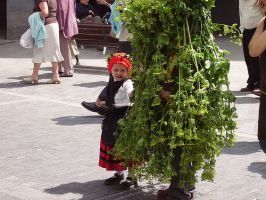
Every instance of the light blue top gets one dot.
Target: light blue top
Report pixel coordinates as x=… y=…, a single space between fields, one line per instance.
x=114 y=18
x=37 y=29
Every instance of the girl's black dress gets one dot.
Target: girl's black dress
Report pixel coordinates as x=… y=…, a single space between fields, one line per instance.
x=109 y=126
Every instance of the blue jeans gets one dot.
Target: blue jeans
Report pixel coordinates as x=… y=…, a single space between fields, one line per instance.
x=263 y=145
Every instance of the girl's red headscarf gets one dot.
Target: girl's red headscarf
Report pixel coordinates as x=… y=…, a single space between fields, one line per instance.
x=119 y=58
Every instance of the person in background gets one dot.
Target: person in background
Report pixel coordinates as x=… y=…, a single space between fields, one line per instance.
x=250 y=14
x=66 y=17
x=102 y=7
x=50 y=51
x=86 y=12
x=257 y=47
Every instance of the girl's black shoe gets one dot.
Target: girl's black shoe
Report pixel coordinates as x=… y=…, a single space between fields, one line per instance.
x=128 y=183
x=115 y=179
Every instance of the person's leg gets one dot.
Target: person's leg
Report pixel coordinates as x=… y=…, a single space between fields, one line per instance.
x=107 y=161
x=66 y=66
x=33 y=79
x=35 y=71
x=129 y=182
x=174 y=191
x=55 y=76
x=115 y=179
x=253 y=63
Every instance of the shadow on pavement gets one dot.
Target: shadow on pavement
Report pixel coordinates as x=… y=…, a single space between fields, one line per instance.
x=18 y=84
x=91 y=71
x=85 y=69
x=21 y=84
x=240 y=94
x=247 y=100
x=40 y=76
x=243 y=148
x=77 y=120
x=258 y=167
x=94 y=190
x=92 y=84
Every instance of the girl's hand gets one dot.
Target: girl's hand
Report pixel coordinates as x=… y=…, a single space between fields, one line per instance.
x=100 y=103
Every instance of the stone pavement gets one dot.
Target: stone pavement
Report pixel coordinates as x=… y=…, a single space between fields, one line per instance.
x=49 y=144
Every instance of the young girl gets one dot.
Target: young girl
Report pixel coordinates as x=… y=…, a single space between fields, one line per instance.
x=119 y=90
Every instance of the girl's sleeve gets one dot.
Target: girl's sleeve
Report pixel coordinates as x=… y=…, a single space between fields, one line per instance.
x=128 y=85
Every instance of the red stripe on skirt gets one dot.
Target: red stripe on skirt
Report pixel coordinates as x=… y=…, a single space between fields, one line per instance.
x=106 y=160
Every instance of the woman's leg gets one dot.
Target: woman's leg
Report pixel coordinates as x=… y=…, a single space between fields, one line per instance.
x=35 y=72
x=55 y=75
x=33 y=79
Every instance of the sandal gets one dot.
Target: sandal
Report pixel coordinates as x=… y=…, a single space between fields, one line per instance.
x=128 y=183
x=53 y=81
x=115 y=179
x=30 y=80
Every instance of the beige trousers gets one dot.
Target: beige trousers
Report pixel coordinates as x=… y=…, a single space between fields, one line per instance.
x=65 y=66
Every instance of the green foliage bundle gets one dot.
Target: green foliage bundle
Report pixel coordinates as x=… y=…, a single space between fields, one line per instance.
x=200 y=115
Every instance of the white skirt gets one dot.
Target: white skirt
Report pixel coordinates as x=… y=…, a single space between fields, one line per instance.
x=50 y=52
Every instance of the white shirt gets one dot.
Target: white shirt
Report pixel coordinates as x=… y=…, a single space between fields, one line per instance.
x=122 y=95
x=250 y=14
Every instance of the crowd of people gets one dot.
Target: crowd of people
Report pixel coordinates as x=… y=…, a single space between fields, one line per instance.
x=57 y=20
x=54 y=22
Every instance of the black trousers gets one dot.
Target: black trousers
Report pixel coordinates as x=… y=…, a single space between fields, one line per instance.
x=175 y=192
x=253 y=63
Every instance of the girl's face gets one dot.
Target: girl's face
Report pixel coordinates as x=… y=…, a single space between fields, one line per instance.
x=119 y=72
